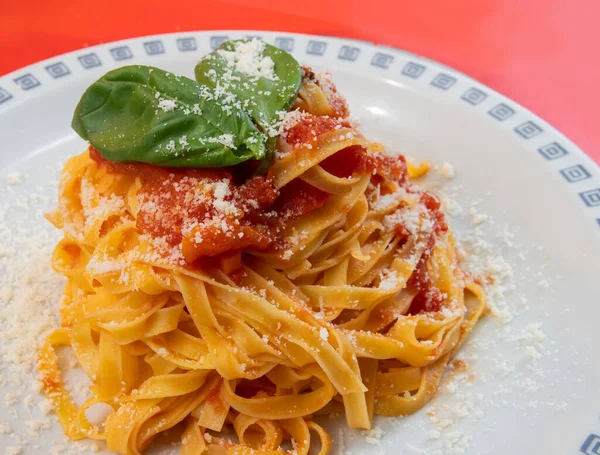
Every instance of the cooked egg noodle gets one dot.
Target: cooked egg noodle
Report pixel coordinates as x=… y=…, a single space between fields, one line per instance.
x=321 y=325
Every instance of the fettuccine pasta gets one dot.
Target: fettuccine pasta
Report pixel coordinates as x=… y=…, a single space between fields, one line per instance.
x=235 y=310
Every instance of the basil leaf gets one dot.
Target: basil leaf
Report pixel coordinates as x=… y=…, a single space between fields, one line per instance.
x=264 y=79
x=145 y=114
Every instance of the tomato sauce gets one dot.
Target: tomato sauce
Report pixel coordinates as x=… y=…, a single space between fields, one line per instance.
x=169 y=202
x=169 y=206
x=335 y=100
x=429 y=298
x=386 y=167
x=358 y=160
x=346 y=162
x=298 y=198
x=171 y=209
x=433 y=205
x=214 y=397
x=310 y=127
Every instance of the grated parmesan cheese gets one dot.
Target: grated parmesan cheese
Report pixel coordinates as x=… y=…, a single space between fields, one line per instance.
x=166 y=105
x=389 y=280
x=324 y=334
x=13 y=179
x=97 y=267
x=414 y=219
x=447 y=170
x=29 y=294
x=374 y=435
x=388 y=201
x=248 y=59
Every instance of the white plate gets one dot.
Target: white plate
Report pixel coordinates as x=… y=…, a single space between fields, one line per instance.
x=529 y=389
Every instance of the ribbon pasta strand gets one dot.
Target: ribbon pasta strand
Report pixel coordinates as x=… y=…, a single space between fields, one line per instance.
x=361 y=306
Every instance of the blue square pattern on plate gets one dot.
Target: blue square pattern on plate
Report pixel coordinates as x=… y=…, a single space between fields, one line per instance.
x=591 y=197
x=216 y=41
x=316 y=47
x=186 y=44
x=285 y=44
x=4 y=95
x=474 y=96
x=348 y=53
x=414 y=70
x=27 y=81
x=552 y=151
x=591 y=445
x=382 y=60
x=575 y=173
x=121 y=53
x=89 y=61
x=154 y=47
x=251 y=37
x=443 y=81
x=528 y=130
x=57 y=70
x=501 y=112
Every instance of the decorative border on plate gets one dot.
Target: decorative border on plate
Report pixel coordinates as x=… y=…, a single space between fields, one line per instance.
x=121 y=53
x=581 y=177
x=591 y=446
x=187 y=44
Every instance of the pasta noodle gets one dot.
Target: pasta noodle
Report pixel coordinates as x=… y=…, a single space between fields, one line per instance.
x=346 y=297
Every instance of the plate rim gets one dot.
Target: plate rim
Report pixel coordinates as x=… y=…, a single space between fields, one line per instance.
x=589 y=198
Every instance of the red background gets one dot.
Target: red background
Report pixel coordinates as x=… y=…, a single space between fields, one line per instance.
x=541 y=53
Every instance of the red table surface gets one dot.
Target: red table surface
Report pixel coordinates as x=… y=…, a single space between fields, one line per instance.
x=541 y=53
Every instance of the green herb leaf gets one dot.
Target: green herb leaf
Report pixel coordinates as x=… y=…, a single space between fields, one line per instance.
x=264 y=79
x=144 y=114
